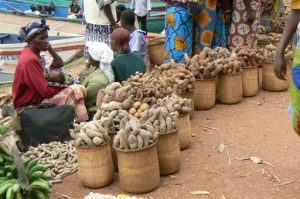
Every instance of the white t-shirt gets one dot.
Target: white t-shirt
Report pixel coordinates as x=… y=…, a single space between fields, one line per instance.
x=141 y=7
x=94 y=15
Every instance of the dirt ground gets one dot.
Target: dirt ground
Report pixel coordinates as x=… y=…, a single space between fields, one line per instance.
x=247 y=129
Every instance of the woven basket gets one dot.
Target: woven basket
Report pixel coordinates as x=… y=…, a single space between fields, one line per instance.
x=156 y=50
x=250 y=81
x=113 y=151
x=168 y=152
x=270 y=82
x=185 y=132
x=95 y=166
x=138 y=169
x=205 y=94
x=230 y=89
x=189 y=95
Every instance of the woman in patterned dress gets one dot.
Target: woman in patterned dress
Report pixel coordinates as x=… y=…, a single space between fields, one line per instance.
x=244 y=26
x=179 y=29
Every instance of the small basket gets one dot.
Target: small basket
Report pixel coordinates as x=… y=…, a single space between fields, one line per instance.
x=185 y=132
x=269 y=80
x=168 y=152
x=205 y=94
x=156 y=50
x=250 y=81
x=95 y=166
x=230 y=88
x=138 y=169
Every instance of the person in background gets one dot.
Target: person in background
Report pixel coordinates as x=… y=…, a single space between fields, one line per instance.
x=224 y=18
x=74 y=10
x=100 y=57
x=137 y=41
x=126 y=63
x=120 y=8
x=280 y=65
x=179 y=29
x=204 y=25
x=244 y=26
x=101 y=21
x=34 y=10
x=141 y=8
x=30 y=86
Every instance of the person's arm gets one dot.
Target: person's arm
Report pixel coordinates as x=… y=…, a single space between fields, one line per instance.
x=135 y=43
x=288 y=32
x=227 y=7
x=109 y=15
x=149 y=5
x=132 y=6
x=36 y=80
x=57 y=60
x=250 y=15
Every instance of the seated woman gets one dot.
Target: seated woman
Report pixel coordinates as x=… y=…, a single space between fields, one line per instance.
x=126 y=63
x=30 y=86
x=74 y=10
x=100 y=58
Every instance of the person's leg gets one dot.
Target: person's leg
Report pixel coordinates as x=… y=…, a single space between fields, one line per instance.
x=144 y=23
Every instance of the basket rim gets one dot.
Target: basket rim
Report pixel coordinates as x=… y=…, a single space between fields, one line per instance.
x=186 y=92
x=170 y=132
x=231 y=74
x=160 y=40
x=249 y=67
x=135 y=150
x=183 y=114
x=210 y=79
x=93 y=147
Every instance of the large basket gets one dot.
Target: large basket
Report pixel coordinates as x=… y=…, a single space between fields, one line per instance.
x=168 y=152
x=230 y=89
x=138 y=169
x=205 y=94
x=189 y=95
x=270 y=82
x=250 y=81
x=185 y=132
x=113 y=151
x=95 y=166
x=156 y=50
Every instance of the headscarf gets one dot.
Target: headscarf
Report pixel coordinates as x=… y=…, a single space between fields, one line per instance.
x=33 y=29
x=122 y=38
x=101 y=52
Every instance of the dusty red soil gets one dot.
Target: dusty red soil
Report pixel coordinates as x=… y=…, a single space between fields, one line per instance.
x=247 y=130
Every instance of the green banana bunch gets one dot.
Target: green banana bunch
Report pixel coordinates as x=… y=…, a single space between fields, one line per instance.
x=39 y=186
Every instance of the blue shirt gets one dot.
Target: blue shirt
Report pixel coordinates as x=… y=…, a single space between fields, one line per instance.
x=138 y=43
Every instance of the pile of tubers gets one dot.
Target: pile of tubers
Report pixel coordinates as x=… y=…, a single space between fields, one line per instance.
x=270 y=53
x=248 y=56
x=164 y=120
x=274 y=38
x=175 y=103
x=60 y=158
x=111 y=116
x=135 y=135
x=138 y=109
x=89 y=134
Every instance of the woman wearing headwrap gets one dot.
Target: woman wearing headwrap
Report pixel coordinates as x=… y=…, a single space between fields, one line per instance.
x=126 y=63
x=30 y=86
x=100 y=57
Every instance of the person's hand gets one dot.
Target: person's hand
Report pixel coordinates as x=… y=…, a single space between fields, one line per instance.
x=228 y=18
x=279 y=66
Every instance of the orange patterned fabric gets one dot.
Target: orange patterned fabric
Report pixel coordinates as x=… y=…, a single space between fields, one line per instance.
x=295 y=4
x=72 y=95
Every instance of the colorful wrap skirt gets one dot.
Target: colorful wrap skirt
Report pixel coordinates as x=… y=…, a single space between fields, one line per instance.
x=241 y=31
x=204 y=25
x=221 y=32
x=179 y=33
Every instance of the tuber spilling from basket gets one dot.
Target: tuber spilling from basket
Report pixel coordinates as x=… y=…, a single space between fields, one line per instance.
x=138 y=109
x=274 y=38
x=89 y=134
x=135 y=135
x=111 y=116
x=164 y=120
